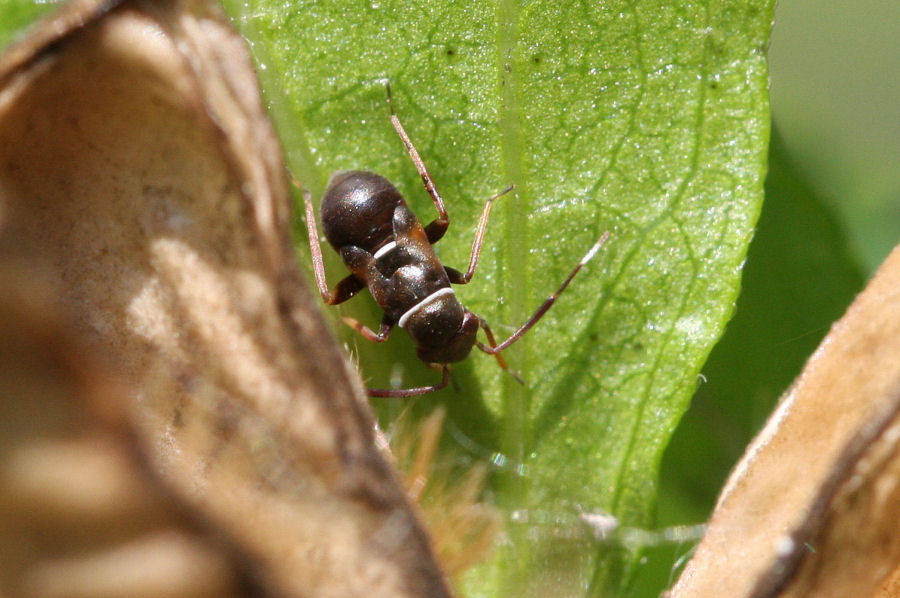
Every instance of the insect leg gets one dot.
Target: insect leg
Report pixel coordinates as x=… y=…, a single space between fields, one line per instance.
x=376 y=337
x=499 y=356
x=493 y=350
x=411 y=392
x=348 y=286
x=438 y=227
x=457 y=277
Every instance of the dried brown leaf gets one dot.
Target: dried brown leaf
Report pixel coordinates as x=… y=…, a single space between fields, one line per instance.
x=138 y=167
x=813 y=509
x=80 y=514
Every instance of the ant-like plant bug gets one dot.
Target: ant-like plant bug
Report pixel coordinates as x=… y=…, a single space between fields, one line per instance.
x=388 y=251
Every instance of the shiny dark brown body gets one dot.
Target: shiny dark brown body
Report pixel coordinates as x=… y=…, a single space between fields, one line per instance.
x=388 y=251
x=363 y=212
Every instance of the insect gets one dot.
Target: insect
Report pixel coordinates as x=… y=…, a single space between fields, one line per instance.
x=388 y=251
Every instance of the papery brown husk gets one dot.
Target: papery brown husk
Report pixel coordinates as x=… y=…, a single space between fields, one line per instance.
x=138 y=170
x=81 y=515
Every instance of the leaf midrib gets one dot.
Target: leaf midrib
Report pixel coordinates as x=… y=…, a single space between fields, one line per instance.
x=514 y=274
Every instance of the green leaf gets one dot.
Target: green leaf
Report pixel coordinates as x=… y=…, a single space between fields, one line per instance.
x=15 y=15
x=800 y=277
x=647 y=119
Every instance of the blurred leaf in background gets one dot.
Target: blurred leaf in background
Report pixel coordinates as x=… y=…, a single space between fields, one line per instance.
x=836 y=102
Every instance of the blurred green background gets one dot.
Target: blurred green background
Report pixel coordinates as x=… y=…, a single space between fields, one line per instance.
x=835 y=69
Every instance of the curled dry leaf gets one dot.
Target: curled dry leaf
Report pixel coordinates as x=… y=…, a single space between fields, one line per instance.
x=80 y=514
x=813 y=508
x=138 y=168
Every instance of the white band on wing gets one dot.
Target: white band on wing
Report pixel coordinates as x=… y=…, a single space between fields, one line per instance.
x=385 y=250
x=412 y=310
